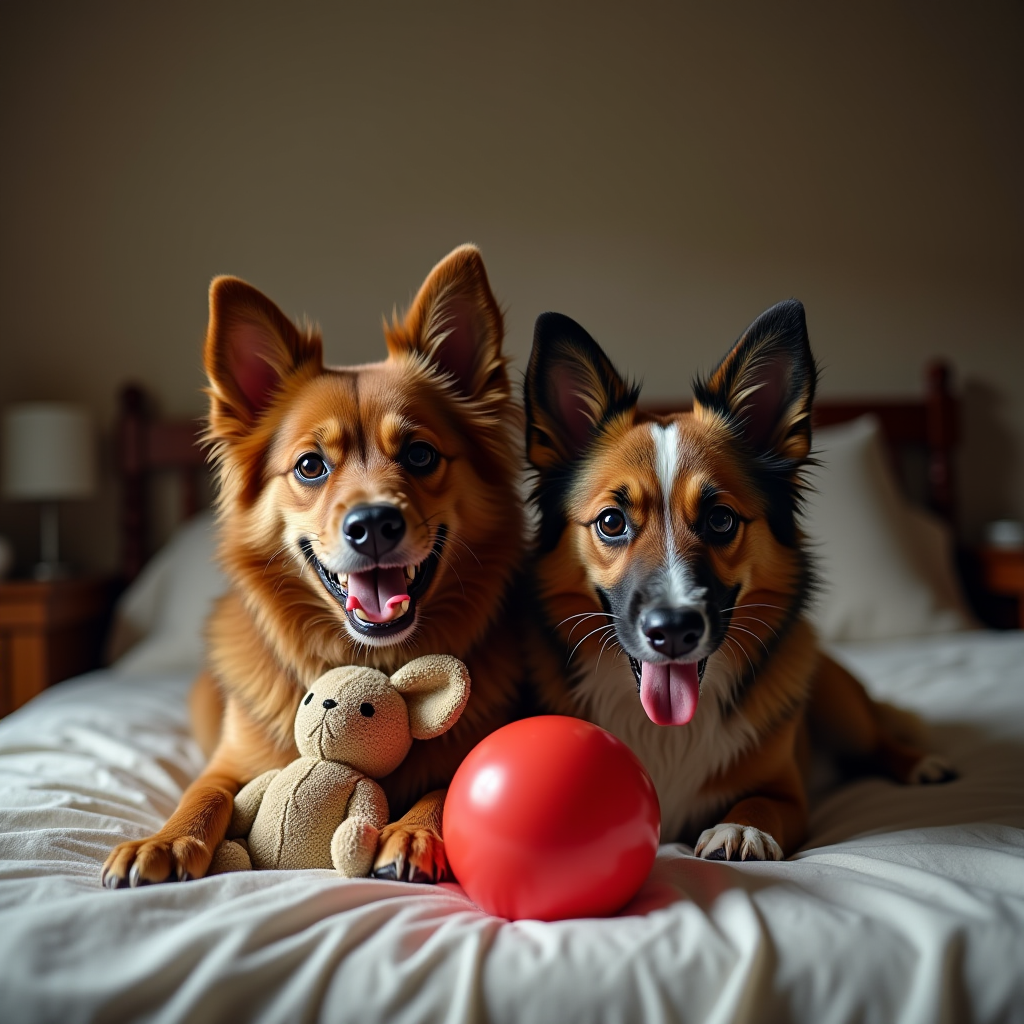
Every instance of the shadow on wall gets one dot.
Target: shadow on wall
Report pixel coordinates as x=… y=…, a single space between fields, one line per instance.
x=988 y=449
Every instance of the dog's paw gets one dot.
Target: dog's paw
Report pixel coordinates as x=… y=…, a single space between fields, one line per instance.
x=157 y=859
x=408 y=853
x=736 y=842
x=930 y=770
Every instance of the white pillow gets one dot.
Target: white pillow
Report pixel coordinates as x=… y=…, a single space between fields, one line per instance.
x=886 y=566
x=168 y=603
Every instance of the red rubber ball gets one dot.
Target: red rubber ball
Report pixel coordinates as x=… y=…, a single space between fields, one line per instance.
x=550 y=818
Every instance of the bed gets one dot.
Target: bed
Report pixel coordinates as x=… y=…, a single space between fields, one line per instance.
x=906 y=904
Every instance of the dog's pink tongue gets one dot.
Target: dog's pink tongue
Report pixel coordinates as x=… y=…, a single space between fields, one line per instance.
x=378 y=592
x=669 y=693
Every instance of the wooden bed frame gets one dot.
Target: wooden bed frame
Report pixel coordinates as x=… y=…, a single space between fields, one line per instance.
x=146 y=445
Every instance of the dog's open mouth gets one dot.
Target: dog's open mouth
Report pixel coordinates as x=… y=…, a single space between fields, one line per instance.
x=669 y=691
x=382 y=600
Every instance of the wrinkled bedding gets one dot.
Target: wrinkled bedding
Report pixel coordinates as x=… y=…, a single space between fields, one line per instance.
x=907 y=904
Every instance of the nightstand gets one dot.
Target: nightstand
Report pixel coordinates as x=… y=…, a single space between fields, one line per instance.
x=49 y=631
x=1004 y=574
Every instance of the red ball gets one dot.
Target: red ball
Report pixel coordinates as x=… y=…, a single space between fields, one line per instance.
x=549 y=818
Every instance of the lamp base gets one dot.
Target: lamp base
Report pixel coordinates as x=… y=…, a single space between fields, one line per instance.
x=47 y=571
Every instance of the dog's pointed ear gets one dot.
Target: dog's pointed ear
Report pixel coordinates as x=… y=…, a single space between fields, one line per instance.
x=251 y=347
x=571 y=389
x=765 y=386
x=455 y=322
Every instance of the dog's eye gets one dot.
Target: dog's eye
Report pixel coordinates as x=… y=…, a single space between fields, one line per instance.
x=309 y=697
x=420 y=457
x=311 y=468
x=611 y=524
x=722 y=520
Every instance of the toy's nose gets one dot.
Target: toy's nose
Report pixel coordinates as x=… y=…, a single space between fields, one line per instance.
x=330 y=703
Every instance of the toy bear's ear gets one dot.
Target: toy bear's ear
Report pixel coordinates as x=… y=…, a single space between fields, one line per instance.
x=435 y=688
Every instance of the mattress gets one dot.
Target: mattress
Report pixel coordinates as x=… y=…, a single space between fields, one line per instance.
x=907 y=904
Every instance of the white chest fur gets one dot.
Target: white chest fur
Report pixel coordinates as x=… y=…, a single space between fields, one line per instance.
x=679 y=758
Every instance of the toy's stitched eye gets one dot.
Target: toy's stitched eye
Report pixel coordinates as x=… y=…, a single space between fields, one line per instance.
x=722 y=520
x=311 y=468
x=611 y=524
x=366 y=709
x=420 y=457
x=309 y=697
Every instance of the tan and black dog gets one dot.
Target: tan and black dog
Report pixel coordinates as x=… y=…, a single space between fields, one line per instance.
x=671 y=565
x=367 y=514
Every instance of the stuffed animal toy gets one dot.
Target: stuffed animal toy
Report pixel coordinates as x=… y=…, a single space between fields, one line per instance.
x=355 y=725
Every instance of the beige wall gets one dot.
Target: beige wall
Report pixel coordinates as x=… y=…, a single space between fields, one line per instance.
x=660 y=175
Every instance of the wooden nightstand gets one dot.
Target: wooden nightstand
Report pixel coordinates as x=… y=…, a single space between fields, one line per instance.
x=48 y=632
x=1004 y=574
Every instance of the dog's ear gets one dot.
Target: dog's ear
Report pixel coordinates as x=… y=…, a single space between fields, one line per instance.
x=455 y=322
x=251 y=348
x=765 y=386
x=571 y=389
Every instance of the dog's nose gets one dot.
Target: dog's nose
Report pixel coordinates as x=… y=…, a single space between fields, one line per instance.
x=373 y=530
x=673 y=631
x=330 y=703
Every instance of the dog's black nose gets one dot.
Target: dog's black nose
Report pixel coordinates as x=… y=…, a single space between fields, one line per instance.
x=330 y=703
x=373 y=530
x=673 y=631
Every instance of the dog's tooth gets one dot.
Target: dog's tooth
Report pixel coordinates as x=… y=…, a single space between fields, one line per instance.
x=343 y=579
x=410 y=572
x=360 y=614
x=404 y=607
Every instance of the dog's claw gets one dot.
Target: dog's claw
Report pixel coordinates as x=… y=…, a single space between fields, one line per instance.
x=158 y=859
x=410 y=854
x=728 y=841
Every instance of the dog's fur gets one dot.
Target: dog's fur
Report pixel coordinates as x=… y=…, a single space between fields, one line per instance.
x=272 y=401
x=666 y=482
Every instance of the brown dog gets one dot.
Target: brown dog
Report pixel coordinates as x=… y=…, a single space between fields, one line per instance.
x=367 y=514
x=675 y=541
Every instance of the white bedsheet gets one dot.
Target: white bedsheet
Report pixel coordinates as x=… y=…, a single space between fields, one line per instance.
x=908 y=904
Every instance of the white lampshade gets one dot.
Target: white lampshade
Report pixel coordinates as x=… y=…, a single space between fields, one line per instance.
x=49 y=452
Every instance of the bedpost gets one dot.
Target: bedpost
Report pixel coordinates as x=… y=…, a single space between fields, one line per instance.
x=131 y=441
x=942 y=435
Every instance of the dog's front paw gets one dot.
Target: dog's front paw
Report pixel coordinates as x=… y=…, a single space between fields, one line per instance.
x=157 y=859
x=410 y=853
x=930 y=770
x=736 y=842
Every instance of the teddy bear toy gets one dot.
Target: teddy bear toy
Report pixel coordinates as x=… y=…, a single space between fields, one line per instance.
x=353 y=726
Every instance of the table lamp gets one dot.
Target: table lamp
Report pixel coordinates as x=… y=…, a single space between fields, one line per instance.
x=49 y=456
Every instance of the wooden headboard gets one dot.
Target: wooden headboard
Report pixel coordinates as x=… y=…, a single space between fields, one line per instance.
x=146 y=446
x=928 y=424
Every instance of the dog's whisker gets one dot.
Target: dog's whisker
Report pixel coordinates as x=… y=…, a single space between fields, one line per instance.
x=583 y=615
x=608 y=637
x=452 y=536
x=738 y=607
x=441 y=556
x=613 y=638
x=734 y=642
x=583 y=640
x=743 y=629
x=583 y=620
x=754 y=618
